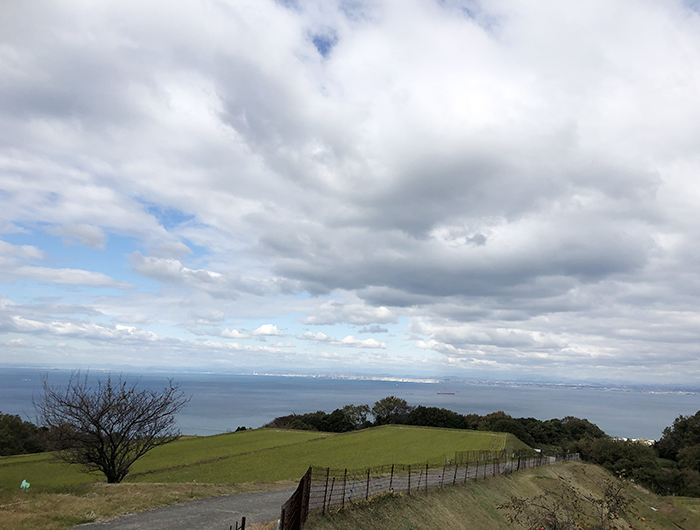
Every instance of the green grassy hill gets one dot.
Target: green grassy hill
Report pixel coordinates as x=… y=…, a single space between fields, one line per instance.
x=267 y=455
x=390 y=444
x=473 y=507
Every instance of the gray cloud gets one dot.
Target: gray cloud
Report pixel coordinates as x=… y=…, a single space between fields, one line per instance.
x=374 y=328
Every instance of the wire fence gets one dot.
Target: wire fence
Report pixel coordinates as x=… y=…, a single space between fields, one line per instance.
x=321 y=488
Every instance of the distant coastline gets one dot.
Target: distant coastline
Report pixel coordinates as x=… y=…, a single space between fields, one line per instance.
x=587 y=385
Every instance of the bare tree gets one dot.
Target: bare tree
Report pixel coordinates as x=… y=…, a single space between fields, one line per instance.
x=569 y=508
x=109 y=426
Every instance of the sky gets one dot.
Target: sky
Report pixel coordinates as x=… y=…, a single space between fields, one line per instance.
x=478 y=189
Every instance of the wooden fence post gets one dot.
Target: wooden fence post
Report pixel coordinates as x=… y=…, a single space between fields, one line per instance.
x=426 y=477
x=305 y=496
x=442 y=478
x=330 y=497
x=391 y=481
x=325 y=492
x=409 y=479
x=345 y=481
x=243 y=523
x=454 y=479
x=367 y=494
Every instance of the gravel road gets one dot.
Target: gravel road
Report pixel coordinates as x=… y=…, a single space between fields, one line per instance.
x=215 y=513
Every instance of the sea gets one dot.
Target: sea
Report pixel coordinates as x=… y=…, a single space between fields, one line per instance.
x=223 y=402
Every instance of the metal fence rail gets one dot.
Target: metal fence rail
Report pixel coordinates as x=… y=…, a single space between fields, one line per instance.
x=321 y=488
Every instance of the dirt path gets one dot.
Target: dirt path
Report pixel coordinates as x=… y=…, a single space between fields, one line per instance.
x=215 y=513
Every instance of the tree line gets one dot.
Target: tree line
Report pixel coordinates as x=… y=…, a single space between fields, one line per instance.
x=553 y=435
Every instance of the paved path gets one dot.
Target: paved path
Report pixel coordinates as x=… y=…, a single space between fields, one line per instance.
x=215 y=513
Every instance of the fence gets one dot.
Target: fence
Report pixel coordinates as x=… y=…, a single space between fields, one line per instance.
x=321 y=488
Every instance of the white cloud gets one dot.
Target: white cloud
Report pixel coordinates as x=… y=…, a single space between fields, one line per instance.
x=268 y=330
x=79 y=234
x=68 y=277
x=171 y=270
x=241 y=347
x=348 y=341
x=26 y=252
x=82 y=330
x=171 y=249
x=234 y=334
x=335 y=311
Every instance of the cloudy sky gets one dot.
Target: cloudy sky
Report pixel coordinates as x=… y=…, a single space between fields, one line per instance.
x=459 y=187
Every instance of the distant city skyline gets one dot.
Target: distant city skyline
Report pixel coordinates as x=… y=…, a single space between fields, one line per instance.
x=483 y=189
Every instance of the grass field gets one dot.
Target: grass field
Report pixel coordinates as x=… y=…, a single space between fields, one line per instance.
x=473 y=507
x=60 y=496
x=265 y=455
x=42 y=471
x=391 y=444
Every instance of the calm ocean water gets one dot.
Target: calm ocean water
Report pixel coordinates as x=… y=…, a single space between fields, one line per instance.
x=222 y=402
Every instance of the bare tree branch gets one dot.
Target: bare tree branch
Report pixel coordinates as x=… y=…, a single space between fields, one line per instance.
x=109 y=426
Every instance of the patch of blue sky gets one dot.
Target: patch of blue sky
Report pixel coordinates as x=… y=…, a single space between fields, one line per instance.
x=289 y=4
x=325 y=42
x=693 y=4
x=400 y=326
x=27 y=292
x=169 y=218
x=111 y=261
x=31 y=292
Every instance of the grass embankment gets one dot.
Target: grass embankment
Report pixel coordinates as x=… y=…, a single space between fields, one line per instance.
x=473 y=507
x=194 y=467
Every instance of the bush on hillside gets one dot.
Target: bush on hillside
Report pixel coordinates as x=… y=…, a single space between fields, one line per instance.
x=685 y=432
x=18 y=436
x=436 y=417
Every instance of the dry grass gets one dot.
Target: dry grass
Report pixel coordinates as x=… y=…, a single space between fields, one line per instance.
x=473 y=507
x=85 y=503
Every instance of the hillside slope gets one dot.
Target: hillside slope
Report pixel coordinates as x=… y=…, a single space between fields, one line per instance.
x=474 y=506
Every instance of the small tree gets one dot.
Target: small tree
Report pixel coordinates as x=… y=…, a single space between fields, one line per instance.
x=357 y=415
x=391 y=409
x=109 y=426
x=18 y=436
